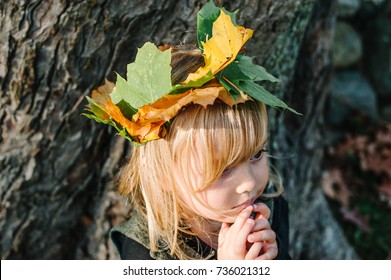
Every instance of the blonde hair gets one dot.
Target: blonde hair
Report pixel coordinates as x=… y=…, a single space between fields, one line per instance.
x=224 y=136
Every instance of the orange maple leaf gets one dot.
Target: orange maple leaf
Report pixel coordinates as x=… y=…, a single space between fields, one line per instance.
x=116 y=114
x=103 y=92
x=101 y=98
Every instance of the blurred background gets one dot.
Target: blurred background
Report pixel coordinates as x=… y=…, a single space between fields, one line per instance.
x=357 y=177
x=58 y=169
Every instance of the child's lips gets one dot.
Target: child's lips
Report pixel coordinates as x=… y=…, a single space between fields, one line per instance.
x=245 y=204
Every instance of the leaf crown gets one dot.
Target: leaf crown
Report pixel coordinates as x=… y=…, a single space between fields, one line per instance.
x=141 y=106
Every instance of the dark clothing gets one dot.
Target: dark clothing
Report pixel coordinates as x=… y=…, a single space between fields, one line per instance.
x=131 y=237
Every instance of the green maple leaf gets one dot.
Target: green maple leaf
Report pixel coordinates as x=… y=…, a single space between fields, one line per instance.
x=242 y=75
x=148 y=77
x=100 y=116
x=261 y=94
x=179 y=88
x=253 y=71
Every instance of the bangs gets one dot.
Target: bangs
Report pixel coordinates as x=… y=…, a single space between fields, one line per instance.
x=208 y=141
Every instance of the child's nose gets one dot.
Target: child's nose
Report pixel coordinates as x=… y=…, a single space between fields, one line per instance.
x=246 y=178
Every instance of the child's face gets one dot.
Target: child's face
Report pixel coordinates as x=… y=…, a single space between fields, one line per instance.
x=233 y=191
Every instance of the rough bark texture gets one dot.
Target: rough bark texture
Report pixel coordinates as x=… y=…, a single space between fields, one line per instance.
x=299 y=144
x=57 y=194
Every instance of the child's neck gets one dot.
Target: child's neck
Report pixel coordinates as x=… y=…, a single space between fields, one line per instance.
x=208 y=232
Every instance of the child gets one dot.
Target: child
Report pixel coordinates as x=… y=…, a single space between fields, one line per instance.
x=194 y=189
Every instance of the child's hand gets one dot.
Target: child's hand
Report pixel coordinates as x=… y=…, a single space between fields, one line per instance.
x=233 y=238
x=262 y=233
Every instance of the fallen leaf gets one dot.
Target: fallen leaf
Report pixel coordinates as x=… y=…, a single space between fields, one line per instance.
x=355 y=217
x=385 y=189
x=383 y=136
x=335 y=187
x=379 y=161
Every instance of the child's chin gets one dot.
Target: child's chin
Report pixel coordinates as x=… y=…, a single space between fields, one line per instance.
x=224 y=217
x=228 y=219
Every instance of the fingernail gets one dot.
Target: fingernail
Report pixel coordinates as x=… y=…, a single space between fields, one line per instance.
x=255 y=206
x=250 y=238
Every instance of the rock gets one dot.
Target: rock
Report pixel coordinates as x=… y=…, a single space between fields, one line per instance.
x=387 y=9
x=375 y=2
x=377 y=59
x=370 y=9
x=386 y=113
x=351 y=92
x=347 y=8
x=347 y=47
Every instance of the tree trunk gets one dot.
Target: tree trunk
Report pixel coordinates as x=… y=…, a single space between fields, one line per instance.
x=57 y=194
x=299 y=145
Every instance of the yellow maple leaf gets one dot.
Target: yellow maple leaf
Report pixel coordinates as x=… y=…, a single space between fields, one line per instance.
x=220 y=50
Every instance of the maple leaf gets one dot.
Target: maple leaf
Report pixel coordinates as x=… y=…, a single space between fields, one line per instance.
x=144 y=131
x=148 y=77
x=241 y=76
x=140 y=105
x=179 y=88
x=220 y=50
x=154 y=116
x=354 y=216
x=101 y=93
x=253 y=71
x=105 y=111
x=117 y=115
x=335 y=187
x=205 y=18
x=97 y=102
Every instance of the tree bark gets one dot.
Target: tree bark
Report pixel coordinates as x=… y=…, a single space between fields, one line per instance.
x=57 y=190
x=299 y=145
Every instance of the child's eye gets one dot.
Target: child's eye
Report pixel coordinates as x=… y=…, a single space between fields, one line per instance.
x=258 y=155
x=226 y=172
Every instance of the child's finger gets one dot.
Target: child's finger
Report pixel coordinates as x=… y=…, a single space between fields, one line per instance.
x=262 y=235
x=262 y=209
x=270 y=254
x=241 y=237
x=254 y=251
x=240 y=229
x=233 y=238
x=242 y=218
x=223 y=232
x=261 y=224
